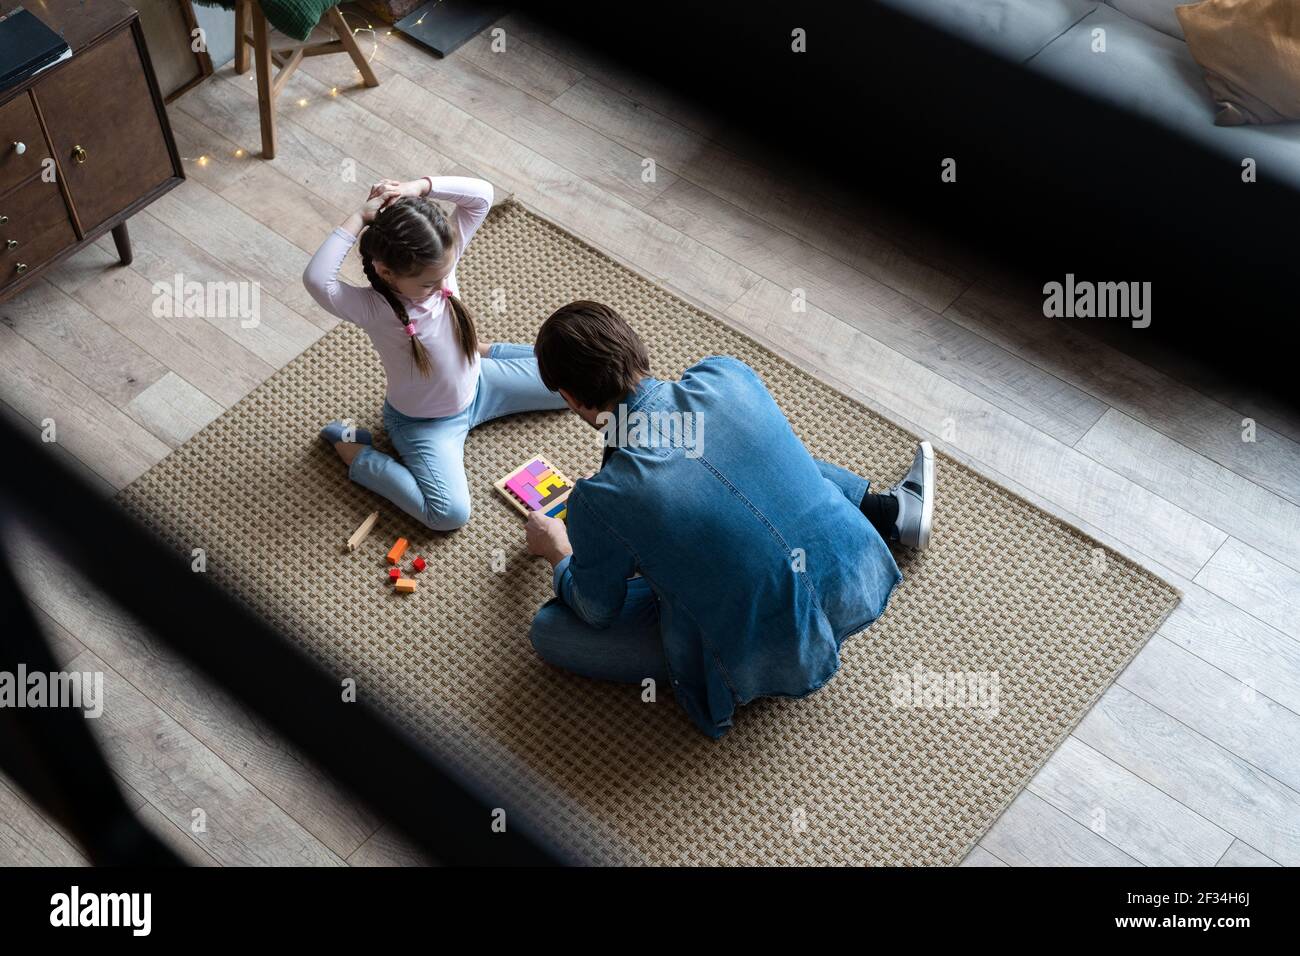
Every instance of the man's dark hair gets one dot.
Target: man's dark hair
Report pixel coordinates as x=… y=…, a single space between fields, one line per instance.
x=588 y=350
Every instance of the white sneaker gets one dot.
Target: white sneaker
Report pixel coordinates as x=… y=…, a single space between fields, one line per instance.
x=915 y=494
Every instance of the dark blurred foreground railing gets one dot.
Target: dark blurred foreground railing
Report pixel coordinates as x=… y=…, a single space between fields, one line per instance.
x=50 y=753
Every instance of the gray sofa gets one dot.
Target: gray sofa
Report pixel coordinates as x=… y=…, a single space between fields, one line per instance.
x=1146 y=67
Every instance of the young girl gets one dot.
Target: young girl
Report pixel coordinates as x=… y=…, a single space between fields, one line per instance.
x=441 y=380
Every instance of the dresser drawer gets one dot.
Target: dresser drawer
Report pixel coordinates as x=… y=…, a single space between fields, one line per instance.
x=34 y=228
x=18 y=124
x=103 y=122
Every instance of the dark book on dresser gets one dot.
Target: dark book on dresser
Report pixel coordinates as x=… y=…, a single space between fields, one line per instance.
x=27 y=46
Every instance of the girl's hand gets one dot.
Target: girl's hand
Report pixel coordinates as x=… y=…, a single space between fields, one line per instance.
x=414 y=188
x=381 y=194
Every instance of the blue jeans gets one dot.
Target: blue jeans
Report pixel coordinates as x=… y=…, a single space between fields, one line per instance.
x=429 y=482
x=631 y=648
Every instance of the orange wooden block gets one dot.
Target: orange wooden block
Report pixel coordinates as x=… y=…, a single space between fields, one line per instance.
x=405 y=585
x=399 y=549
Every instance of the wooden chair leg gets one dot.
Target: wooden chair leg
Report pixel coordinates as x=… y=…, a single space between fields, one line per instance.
x=241 y=33
x=265 y=82
x=350 y=44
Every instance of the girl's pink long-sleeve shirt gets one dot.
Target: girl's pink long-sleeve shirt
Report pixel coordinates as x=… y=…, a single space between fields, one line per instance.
x=451 y=386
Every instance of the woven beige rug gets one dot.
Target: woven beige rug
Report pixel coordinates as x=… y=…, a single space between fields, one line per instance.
x=1008 y=602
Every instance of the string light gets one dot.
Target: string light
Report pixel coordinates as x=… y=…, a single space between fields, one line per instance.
x=368 y=28
x=334 y=91
x=425 y=14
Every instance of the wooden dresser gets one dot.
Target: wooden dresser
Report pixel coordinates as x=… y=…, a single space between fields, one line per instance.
x=100 y=119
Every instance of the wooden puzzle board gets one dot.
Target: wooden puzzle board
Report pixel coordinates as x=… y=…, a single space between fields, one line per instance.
x=537 y=485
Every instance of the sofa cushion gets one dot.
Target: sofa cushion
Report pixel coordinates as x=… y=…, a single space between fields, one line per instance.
x=1154 y=13
x=1251 y=53
x=1154 y=76
x=1015 y=29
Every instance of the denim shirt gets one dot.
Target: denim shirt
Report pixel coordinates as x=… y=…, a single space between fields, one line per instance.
x=762 y=566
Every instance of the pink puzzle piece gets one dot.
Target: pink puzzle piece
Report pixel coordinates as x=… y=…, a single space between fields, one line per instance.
x=522 y=485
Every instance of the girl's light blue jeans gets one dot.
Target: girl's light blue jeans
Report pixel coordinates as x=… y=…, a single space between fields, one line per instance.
x=428 y=483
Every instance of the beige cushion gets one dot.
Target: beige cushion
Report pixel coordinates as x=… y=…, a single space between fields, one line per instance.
x=1250 y=51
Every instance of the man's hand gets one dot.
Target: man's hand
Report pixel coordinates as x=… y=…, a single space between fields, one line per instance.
x=547 y=538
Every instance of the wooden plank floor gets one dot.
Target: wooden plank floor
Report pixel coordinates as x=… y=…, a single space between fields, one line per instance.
x=1190 y=759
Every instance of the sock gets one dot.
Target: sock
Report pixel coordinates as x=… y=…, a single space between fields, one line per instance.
x=334 y=432
x=882 y=512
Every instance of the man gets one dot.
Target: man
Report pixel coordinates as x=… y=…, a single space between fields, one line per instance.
x=711 y=551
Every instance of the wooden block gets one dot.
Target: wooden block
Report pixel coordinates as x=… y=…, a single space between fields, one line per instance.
x=398 y=550
x=523 y=486
x=360 y=534
x=551 y=483
x=405 y=585
x=553 y=495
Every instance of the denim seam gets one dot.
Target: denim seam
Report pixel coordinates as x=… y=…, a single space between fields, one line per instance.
x=610 y=531
x=419 y=452
x=646 y=396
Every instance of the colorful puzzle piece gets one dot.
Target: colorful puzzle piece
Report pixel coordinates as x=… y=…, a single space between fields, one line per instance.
x=547 y=482
x=524 y=488
x=537 y=486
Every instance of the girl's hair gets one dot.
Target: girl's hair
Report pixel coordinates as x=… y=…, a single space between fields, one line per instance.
x=406 y=236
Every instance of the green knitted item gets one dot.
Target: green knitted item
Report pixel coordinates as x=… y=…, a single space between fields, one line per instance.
x=294 y=18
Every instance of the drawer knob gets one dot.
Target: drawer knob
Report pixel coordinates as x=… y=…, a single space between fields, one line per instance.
x=79 y=153
x=11 y=243
x=4 y=220
x=20 y=148
x=21 y=267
